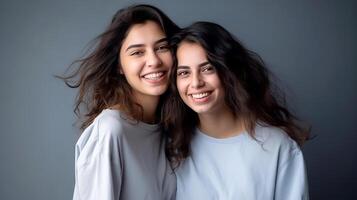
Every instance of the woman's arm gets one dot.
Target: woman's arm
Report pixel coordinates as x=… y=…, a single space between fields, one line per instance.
x=292 y=181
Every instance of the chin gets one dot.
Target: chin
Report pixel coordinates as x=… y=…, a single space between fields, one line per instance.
x=157 y=91
x=201 y=110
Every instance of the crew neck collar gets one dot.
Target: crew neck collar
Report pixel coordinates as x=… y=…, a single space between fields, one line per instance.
x=233 y=139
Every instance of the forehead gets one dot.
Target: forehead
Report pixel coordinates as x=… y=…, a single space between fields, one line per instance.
x=190 y=54
x=143 y=33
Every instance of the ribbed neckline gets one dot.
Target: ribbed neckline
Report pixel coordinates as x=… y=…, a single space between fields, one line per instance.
x=234 y=139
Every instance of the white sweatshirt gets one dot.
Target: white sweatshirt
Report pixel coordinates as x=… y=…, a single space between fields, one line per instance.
x=240 y=167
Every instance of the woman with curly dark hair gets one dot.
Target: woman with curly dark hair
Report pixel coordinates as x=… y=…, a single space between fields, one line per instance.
x=232 y=136
x=120 y=154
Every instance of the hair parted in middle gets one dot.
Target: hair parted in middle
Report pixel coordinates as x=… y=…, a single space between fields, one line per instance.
x=247 y=84
x=98 y=77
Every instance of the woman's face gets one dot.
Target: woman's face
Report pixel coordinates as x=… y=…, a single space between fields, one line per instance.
x=197 y=80
x=146 y=59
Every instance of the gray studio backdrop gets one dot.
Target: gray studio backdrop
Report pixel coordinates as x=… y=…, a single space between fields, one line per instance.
x=310 y=45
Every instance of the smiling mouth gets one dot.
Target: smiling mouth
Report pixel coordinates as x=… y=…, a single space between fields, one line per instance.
x=201 y=97
x=154 y=75
x=155 y=78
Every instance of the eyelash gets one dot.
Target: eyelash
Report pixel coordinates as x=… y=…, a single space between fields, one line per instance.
x=208 y=68
x=205 y=69
x=182 y=73
x=162 y=48
x=136 y=53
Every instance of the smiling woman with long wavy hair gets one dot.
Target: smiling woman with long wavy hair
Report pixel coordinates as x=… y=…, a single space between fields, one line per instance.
x=120 y=154
x=232 y=136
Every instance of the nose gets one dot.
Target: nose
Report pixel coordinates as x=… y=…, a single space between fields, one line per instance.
x=153 y=60
x=197 y=81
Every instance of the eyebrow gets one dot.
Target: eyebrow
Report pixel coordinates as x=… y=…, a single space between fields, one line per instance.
x=187 y=67
x=141 y=45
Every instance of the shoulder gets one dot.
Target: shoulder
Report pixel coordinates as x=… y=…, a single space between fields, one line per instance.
x=274 y=135
x=276 y=139
x=103 y=135
x=109 y=122
x=106 y=126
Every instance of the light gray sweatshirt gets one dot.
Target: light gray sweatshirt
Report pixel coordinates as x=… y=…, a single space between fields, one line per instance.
x=118 y=159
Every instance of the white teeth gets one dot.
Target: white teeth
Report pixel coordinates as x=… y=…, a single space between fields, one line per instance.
x=153 y=76
x=199 y=95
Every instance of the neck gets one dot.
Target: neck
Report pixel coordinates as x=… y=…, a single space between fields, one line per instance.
x=149 y=105
x=220 y=124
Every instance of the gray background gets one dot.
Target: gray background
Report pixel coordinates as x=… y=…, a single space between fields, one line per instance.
x=310 y=45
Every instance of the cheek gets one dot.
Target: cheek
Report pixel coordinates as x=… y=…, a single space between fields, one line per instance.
x=131 y=66
x=167 y=60
x=221 y=90
x=216 y=82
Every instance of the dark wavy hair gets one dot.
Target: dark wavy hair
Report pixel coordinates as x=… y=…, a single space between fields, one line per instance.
x=249 y=92
x=97 y=75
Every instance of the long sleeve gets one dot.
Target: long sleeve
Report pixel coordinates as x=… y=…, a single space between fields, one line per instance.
x=292 y=179
x=98 y=170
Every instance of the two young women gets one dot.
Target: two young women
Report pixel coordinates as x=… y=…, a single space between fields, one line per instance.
x=225 y=131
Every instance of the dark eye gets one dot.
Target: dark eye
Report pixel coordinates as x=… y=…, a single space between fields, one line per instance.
x=136 y=53
x=208 y=68
x=163 y=48
x=182 y=73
